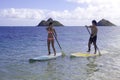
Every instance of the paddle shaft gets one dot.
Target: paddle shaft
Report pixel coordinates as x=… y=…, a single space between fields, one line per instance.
x=88 y=30
x=57 y=41
x=96 y=45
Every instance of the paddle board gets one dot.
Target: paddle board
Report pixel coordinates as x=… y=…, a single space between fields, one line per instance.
x=46 y=57
x=81 y=54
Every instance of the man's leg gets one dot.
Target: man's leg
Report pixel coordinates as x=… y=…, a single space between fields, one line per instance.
x=95 y=46
x=94 y=43
x=89 y=46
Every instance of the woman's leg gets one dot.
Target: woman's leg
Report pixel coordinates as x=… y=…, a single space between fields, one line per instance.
x=53 y=47
x=48 y=44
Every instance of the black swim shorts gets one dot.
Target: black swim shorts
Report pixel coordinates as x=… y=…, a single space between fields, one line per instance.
x=93 y=39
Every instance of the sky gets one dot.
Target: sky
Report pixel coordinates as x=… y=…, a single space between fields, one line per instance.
x=68 y=12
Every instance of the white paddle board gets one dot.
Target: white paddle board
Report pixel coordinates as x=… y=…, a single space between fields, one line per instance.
x=46 y=57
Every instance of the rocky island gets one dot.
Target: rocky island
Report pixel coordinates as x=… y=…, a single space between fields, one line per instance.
x=45 y=23
x=104 y=22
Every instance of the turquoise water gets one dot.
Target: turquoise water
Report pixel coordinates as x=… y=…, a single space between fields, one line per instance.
x=19 y=44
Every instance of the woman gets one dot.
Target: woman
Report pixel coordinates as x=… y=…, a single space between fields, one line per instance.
x=51 y=33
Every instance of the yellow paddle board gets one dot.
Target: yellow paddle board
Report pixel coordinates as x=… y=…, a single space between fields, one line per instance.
x=80 y=54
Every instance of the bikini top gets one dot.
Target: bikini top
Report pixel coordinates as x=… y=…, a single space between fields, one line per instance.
x=49 y=31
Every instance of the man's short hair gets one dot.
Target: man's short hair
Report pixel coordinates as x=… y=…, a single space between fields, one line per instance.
x=94 y=22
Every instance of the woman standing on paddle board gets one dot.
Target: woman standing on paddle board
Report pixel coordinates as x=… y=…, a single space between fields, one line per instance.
x=50 y=40
x=93 y=35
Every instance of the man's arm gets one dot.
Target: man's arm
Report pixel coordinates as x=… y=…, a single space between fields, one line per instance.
x=88 y=26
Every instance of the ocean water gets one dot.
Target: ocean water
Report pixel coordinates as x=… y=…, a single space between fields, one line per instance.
x=19 y=44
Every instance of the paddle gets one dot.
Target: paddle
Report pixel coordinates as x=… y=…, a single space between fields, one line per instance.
x=97 y=46
x=63 y=54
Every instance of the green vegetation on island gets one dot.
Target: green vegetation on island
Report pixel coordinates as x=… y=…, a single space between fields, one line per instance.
x=104 y=22
x=45 y=23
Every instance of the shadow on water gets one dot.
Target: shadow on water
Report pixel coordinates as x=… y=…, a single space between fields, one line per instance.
x=92 y=66
x=51 y=71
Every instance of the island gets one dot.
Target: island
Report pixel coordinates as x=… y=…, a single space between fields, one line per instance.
x=105 y=22
x=46 y=23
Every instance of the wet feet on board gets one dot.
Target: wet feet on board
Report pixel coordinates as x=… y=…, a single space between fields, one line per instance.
x=94 y=52
x=49 y=53
x=88 y=51
x=54 y=54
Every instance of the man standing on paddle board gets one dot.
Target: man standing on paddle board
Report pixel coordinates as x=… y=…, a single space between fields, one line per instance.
x=93 y=35
x=50 y=40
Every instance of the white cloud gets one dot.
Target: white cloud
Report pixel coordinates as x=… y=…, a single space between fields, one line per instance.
x=98 y=9
x=22 y=13
x=80 y=1
x=95 y=9
x=96 y=2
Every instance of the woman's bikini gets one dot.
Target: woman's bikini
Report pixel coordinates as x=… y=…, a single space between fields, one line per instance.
x=50 y=32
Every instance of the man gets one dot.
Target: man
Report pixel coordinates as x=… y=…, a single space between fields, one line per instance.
x=93 y=36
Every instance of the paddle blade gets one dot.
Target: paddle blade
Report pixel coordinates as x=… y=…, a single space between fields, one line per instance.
x=100 y=54
x=63 y=54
